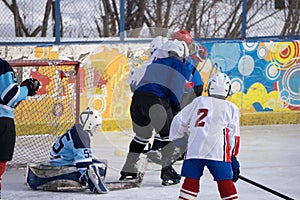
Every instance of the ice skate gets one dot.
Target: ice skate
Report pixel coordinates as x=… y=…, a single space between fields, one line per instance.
x=135 y=177
x=128 y=175
x=169 y=176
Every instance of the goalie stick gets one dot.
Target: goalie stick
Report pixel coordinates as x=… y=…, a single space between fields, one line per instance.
x=130 y=183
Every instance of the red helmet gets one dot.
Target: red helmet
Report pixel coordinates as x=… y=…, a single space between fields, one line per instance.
x=183 y=35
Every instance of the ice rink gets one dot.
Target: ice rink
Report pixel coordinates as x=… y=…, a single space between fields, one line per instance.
x=269 y=155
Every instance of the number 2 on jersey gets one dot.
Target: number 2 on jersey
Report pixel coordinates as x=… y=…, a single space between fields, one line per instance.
x=202 y=112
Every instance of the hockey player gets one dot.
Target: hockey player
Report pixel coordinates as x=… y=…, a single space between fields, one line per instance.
x=10 y=95
x=213 y=141
x=74 y=149
x=157 y=51
x=197 y=54
x=150 y=109
x=193 y=86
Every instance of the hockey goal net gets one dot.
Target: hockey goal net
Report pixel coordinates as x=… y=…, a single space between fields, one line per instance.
x=53 y=110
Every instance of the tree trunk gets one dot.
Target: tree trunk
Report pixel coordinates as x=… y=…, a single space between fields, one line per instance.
x=46 y=18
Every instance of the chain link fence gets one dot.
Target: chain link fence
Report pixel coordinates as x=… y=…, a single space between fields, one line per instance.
x=75 y=20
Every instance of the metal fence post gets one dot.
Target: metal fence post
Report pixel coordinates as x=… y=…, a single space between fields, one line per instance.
x=122 y=20
x=57 y=21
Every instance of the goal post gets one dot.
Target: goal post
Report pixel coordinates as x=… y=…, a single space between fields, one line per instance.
x=40 y=119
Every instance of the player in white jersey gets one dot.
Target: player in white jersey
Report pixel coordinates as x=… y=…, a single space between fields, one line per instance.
x=157 y=51
x=213 y=141
x=73 y=149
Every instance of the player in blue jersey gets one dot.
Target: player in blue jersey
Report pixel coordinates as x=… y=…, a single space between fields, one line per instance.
x=10 y=95
x=73 y=149
x=162 y=83
x=193 y=87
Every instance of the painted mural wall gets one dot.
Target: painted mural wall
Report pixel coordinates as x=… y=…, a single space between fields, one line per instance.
x=265 y=75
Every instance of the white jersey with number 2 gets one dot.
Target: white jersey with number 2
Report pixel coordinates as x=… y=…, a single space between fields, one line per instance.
x=214 y=128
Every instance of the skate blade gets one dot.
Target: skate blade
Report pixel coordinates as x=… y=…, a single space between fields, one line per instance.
x=170 y=182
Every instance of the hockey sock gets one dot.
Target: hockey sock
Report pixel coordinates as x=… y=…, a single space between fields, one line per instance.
x=135 y=149
x=138 y=144
x=227 y=190
x=189 y=189
x=167 y=153
x=2 y=169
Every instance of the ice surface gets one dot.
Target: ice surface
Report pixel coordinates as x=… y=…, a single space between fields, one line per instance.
x=269 y=155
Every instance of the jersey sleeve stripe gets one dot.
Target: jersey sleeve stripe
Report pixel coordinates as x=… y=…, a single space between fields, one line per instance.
x=227 y=157
x=236 y=147
x=10 y=94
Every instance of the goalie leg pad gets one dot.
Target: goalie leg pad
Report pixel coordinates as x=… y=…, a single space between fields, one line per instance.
x=53 y=178
x=95 y=181
x=102 y=167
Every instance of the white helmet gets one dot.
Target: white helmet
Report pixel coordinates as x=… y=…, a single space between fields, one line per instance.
x=157 y=43
x=179 y=47
x=90 y=119
x=219 y=85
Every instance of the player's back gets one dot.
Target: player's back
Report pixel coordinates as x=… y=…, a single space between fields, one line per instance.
x=212 y=122
x=71 y=148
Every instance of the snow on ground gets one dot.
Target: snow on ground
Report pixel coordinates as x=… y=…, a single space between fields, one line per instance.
x=269 y=155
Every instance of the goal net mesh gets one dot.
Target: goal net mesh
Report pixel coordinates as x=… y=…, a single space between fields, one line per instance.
x=51 y=112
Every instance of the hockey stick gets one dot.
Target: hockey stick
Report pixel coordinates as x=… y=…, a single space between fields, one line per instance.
x=130 y=183
x=265 y=188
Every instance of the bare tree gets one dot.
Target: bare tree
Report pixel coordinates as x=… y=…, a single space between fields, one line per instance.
x=134 y=17
x=291 y=24
x=202 y=18
x=20 y=28
x=46 y=17
x=157 y=16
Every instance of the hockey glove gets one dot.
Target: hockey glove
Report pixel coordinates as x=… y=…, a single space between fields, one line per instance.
x=235 y=165
x=32 y=85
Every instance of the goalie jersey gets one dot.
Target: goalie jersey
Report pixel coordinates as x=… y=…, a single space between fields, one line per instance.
x=72 y=149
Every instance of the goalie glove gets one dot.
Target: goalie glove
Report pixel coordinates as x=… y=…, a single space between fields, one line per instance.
x=235 y=169
x=32 y=86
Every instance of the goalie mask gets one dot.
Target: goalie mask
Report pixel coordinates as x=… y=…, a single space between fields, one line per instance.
x=90 y=119
x=219 y=85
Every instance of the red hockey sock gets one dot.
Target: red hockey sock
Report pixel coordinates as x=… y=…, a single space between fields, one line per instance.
x=227 y=190
x=189 y=189
x=2 y=169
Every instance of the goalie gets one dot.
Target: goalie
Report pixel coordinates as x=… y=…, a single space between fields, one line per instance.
x=72 y=167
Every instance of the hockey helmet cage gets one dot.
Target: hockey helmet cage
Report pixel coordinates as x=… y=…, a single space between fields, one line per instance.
x=90 y=119
x=219 y=85
x=178 y=47
x=157 y=43
x=183 y=35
